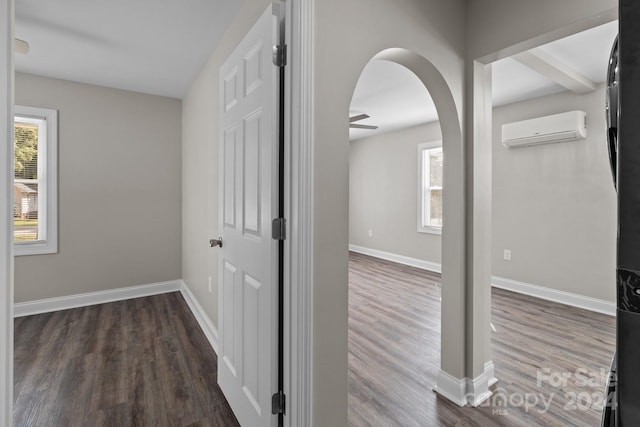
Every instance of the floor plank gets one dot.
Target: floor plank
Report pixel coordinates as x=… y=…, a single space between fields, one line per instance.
x=394 y=355
x=146 y=362
x=141 y=362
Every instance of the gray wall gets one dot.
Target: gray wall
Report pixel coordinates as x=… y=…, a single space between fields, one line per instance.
x=119 y=190
x=383 y=195
x=553 y=205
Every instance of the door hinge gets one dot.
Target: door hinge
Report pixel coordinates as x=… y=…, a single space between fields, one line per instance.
x=280 y=55
x=279 y=229
x=278 y=402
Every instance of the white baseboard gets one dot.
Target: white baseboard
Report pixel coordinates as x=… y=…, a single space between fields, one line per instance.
x=400 y=259
x=210 y=331
x=466 y=391
x=490 y=372
x=92 y=298
x=567 y=298
x=478 y=388
x=452 y=388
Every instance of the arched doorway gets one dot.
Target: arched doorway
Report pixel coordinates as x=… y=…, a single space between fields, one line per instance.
x=450 y=354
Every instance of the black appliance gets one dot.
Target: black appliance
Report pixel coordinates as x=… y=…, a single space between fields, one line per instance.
x=609 y=414
x=623 y=107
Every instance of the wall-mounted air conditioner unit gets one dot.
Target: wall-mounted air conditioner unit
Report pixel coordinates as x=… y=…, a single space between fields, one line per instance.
x=563 y=127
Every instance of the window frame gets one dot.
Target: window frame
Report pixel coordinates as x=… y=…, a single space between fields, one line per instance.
x=423 y=171
x=47 y=242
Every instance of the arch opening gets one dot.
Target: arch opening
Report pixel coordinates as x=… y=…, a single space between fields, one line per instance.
x=365 y=206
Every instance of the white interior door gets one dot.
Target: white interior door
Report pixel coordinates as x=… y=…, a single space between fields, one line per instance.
x=247 y=308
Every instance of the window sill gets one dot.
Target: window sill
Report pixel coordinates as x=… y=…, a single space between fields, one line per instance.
x=430 y=230
x=34 y=248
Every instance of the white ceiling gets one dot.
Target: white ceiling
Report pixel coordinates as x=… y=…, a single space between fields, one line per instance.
x=159 y=46
x=150 y=46
x=395 y=98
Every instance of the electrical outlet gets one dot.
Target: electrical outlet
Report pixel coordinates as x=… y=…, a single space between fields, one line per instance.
x=370 y=232
x=507 y=255
x=210 y=285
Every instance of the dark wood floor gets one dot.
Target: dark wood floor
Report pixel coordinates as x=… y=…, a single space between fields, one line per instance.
x=141 y=362
x=145 y=362
x=543 y=352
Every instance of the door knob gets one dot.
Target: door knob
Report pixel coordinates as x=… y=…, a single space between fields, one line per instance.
x=216 y=242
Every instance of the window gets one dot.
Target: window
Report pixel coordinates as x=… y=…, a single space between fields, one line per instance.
x=430 y=162
x=35 y=181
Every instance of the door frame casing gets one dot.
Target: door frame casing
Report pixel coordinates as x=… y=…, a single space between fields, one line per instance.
x=6 y=202
x=299 y=161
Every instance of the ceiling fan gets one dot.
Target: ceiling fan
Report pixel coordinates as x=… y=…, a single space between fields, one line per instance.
x=357 y=119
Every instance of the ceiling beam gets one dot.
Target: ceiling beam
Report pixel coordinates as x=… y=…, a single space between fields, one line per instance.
x=555 y=70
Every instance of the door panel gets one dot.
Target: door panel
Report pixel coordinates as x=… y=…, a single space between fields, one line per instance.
x=251 y=170
x=230 y=89
x=229 y=298
x=247 y=323
x=251 y=345
x=253 y=68
x=229 y=177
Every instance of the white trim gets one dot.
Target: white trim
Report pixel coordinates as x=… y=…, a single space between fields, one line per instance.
x=466 y=391
x=478 y=388
x=451 y=388
x=400 y=259
x=490 y=372
x=207 y=326
x=299 y=206
x=567 y=298
x=47 y=183
x=430 y=229
x=422 y=228
x=6 y=212
x=91 y=298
